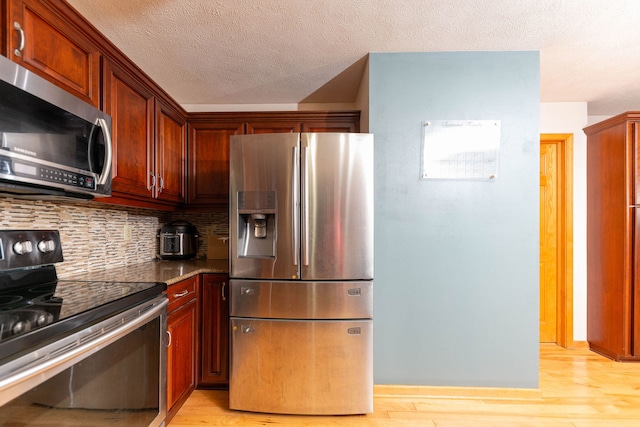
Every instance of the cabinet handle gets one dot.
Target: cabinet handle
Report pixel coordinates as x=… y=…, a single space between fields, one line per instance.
x=224 y=285
x=295 y=236
x=153 y=181
x=304 y=183
x=161 y=183
x=181 y=294
x=18 y=51
x=168 y=338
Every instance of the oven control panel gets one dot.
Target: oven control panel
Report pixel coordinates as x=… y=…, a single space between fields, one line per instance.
x=29 y=248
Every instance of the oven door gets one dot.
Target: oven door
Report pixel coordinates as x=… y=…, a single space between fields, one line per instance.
x=111 y=373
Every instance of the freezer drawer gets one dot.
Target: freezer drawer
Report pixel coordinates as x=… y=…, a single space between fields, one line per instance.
x=301 y=300
x=320 y=367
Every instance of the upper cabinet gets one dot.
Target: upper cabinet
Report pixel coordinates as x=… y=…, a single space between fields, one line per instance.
x=170 y=153
x=164 y=158
x=51 y=39
x=150 y=141
x=132 y=110
x=40 y=38
x=208 y=160
x=255 y=127
x=210 y=135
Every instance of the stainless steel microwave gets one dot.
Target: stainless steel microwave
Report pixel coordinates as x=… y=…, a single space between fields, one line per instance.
x=53 y=144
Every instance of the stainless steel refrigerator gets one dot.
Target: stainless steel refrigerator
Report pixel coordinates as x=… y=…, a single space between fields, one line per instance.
x=301 y=237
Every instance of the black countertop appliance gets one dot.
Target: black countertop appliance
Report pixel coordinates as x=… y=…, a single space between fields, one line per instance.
x=178 y=240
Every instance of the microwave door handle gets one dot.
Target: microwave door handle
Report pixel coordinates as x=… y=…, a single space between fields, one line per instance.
x=106 y=171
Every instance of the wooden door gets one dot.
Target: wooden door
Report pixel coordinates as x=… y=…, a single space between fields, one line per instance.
x=548 y=241
x=556 y=239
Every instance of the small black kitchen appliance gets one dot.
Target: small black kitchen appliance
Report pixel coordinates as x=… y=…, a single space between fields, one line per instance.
x=178 y=240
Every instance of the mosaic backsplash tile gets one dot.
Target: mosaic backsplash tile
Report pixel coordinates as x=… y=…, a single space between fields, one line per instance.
x=92 y=233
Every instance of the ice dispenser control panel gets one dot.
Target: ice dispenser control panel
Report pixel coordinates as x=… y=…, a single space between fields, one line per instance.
x=256 y=223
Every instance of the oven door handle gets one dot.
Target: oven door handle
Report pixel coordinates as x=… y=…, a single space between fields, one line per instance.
x=37 y=367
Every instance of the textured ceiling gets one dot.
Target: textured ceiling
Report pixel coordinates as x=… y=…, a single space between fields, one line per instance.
x=230 y=52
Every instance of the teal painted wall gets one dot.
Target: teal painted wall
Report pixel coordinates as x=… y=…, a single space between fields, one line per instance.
x=456 y=262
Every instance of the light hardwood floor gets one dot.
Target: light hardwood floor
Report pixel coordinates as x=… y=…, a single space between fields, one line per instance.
x=578 y=388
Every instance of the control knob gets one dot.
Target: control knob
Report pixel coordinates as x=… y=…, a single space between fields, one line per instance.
x=22 y=248
x=20 y=327
x=46 y=246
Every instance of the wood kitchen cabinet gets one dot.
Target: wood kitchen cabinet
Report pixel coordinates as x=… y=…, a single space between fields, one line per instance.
x=214 y=365
x=182 y=347
x=258 y=127
x=51 y=39
x=208 y=159
x=170 y=154
x=44 y=38
x=613 y=237
x=132 y=110
x=210 y=134
x=149 y=141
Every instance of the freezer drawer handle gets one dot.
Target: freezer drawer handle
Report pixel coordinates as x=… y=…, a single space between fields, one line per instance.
x=354 y=331
x=247 y=291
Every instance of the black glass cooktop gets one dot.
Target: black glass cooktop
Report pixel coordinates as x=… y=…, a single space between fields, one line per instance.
x=43 y=308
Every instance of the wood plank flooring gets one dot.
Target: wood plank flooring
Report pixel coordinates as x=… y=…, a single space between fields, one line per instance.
x=578 y=388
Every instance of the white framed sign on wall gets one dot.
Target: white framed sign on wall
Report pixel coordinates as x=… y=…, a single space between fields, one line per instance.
x=460 y=149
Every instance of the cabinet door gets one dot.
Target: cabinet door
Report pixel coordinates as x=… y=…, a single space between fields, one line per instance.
x=330 y=127
x=209 y=162
x=171 y=151
x=53 y=49
x=182 y=327
x=131 y=107
x=215 y=331
x=273 y=127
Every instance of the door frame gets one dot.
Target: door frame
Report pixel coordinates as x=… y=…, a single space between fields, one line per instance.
x=564 y=290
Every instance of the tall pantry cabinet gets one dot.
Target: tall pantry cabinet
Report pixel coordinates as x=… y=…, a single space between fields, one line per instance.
x=613 y=237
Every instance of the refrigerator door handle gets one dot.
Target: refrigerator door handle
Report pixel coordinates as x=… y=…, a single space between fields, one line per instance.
x=305 y=205
x=295 y=238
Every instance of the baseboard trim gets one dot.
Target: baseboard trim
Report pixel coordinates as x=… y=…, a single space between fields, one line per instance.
x=435 y=392
x=581 y=345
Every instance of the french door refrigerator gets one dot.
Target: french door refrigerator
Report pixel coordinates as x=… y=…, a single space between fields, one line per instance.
x=301 y=288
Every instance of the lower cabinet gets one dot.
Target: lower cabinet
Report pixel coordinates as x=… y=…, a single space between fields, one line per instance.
x=198 y=337
x=182 y=346
x=214 y=366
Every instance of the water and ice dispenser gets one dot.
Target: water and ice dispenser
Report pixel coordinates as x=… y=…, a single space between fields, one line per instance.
x=257 y=224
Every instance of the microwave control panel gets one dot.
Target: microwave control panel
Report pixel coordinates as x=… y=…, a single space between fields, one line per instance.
x=39 y=173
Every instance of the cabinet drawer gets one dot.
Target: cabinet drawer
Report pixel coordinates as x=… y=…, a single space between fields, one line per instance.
x=181 y=292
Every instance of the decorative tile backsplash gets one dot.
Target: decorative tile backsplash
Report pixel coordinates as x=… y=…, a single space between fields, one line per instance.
x=93 y=233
